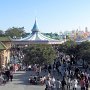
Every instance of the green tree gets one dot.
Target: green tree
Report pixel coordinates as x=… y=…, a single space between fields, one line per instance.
x=15 y=32
x=79 y=51
x=1 y=32
x=39 y=54
x=67 y=47
x=82 y=48
x=86 y=56
x=84 y=51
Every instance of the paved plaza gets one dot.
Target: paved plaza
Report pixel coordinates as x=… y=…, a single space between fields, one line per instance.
x=20 y=82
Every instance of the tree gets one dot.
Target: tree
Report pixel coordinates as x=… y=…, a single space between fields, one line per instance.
x=15 y=32
x=86 y=56
x=82 y=48
x=67 y=47
x=1 y=33
x=39 y=54
x=79 y=51
x=84 y=52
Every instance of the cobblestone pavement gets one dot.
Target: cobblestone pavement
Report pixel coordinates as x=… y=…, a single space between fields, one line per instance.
x=20 y=82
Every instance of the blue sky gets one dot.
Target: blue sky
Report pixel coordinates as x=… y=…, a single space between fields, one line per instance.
x=52 y=15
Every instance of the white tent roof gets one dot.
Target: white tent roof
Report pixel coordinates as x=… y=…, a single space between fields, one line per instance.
x=36 y=36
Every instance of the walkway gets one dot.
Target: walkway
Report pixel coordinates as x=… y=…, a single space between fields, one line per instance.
x=20 y=82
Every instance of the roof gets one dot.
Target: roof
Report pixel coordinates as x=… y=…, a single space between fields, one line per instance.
x=37 y=37
x=35 y=28
x=2 y=46
x=5 y=38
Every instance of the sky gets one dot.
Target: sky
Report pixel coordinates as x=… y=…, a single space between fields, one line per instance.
x=51 y=15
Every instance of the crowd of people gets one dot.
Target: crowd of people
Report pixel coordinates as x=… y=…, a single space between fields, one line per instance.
x=70 y=82
x=63 y=74
x=6 y=75
x=70 y=76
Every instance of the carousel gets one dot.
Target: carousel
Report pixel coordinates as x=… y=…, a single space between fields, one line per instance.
x=36 y=37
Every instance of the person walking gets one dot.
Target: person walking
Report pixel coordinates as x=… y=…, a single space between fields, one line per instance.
x=82 y=83
x=11 y=75
x=52 y=81
x=63 y=82
x=68 y=83
x=48 y=84
x=7 y=73
x=86 y=83
x=58 y=84
x=49 y=69
x=74 y=84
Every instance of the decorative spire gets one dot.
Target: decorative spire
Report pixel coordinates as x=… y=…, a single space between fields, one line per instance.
x=35 y=28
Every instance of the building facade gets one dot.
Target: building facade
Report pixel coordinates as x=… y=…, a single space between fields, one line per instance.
x=5 y=46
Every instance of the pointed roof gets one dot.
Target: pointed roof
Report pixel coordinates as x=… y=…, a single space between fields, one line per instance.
x=36 y=37
x=35 y=28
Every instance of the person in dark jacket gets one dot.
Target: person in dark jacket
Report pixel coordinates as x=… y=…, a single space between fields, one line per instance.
x=11 y=75
x=7 y=73
x=63 y=82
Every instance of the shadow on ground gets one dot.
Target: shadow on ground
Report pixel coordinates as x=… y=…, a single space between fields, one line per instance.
x=21 y=78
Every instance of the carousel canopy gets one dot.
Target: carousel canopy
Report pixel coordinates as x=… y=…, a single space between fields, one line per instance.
x=36 y=36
